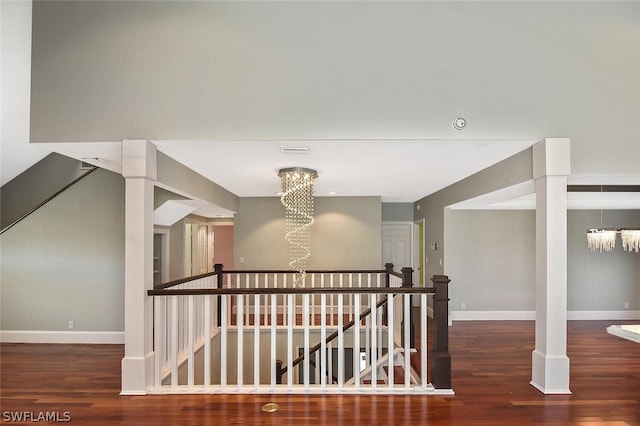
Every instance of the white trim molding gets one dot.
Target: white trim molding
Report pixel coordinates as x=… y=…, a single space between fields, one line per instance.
x=530 y=315
x=43 y=336
x=603 y=315
x=493 y=315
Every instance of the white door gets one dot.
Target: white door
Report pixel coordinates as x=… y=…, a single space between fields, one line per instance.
x=397 y=244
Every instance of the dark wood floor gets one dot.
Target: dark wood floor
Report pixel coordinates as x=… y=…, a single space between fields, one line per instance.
x=491 y=373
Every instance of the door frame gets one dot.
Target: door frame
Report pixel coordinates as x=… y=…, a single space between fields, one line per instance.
x=164 y=252
x=418 y=253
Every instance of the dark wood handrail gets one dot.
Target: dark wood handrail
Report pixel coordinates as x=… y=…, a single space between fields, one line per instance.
x=305 y=290
x=51 y=197
x=334 y=335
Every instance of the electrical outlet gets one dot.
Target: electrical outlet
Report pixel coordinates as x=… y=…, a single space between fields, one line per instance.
x=463 y=306
x=70 y=324
x=626 y=305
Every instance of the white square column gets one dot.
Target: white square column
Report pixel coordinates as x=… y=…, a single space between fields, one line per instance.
x=550 y=364
x=139 y=171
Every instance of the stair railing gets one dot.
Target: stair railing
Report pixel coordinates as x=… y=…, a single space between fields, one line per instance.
x=213 y=331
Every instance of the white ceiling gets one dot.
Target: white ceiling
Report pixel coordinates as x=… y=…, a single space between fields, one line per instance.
x=395 y=170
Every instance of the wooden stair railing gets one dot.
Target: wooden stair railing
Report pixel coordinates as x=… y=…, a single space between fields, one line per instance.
x=406 y=276
x=440 y=356
x=282 y=370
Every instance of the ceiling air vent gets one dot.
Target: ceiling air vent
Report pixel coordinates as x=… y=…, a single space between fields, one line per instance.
x=295 y=149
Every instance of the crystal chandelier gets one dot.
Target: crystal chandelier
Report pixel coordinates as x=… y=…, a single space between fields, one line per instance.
x=630 y=240
x=297 y=199
x=601 y=240
x=604 y=240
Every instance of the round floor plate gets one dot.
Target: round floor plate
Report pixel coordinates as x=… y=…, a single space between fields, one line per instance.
x=270 y=407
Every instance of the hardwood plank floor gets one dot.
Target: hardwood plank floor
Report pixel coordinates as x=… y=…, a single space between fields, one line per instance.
x=491 y=373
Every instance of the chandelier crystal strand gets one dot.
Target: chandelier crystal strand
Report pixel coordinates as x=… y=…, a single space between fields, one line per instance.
x=630 y=240
x=600 y=240
x=297 y=199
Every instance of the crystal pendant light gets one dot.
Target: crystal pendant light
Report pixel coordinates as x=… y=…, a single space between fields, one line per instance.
x=601 y=240
x=297 y=199
x=630 y=240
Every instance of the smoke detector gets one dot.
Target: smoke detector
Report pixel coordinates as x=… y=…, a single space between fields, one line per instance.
x=459 y=123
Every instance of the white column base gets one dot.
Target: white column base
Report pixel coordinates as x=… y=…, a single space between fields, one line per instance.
x=550 y=374
x=136 y=374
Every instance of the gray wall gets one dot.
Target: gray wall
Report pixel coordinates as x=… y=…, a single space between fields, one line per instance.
x=345 y=235
x=65 y=261
x=493 y=262
x=326 y=70
x=511 y=171
x=601 y=281
x=397 y=212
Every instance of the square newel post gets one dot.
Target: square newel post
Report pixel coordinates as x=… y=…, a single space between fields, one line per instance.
x=219 y=270
x=407 y=281
x=388 y=269
x=441 y=363
x=139 y=169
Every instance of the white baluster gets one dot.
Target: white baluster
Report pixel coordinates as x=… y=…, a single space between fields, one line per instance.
x=240 y=336
x=256 y=340
x=274 y=313
x=356 y=342
x=323 y=340
x=390 y=335
x=340 y=339
x=407 y=340
x=350 y=297
x=423 y=340
x=173 y=349
x=284 y=300
x=247 y=300
x=305 y=324
x=290 y=351
x=374 y=340
x=207 y=341
x=313 y=302
x=190 y=343
x=158 y=338
x=223 y=340
x=333 y=302
x=266 y=300
x=330 y=362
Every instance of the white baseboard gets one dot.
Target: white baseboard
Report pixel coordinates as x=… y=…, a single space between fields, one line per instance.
x=493 y=315
x=531 y=315
x=604 y=315
x=38 y=336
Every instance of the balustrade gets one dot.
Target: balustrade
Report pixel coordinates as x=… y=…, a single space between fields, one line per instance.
x=253 y=331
